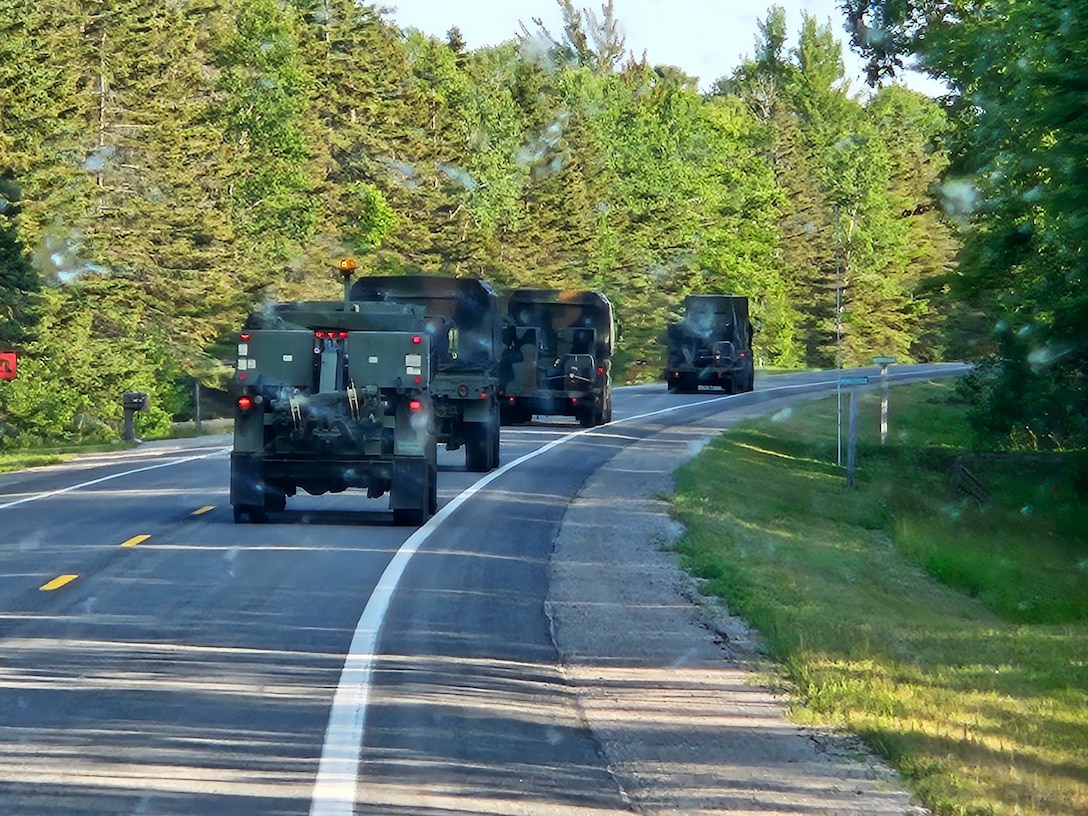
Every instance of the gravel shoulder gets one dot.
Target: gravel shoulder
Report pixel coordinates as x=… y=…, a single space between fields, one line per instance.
x=669 y=681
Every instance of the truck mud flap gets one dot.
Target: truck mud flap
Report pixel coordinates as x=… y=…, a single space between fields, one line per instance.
x=413 y=497
x=246 y=481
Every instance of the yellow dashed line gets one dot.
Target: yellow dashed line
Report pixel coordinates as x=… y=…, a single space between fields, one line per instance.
x=57 y=582
x=135 y=540
x=203 y=510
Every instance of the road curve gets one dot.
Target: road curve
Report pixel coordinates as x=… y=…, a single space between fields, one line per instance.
x=159 y=659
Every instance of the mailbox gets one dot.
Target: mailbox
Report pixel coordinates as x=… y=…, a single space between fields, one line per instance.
x=134 y=400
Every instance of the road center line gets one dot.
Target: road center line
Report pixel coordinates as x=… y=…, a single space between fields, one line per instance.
x=57 y=583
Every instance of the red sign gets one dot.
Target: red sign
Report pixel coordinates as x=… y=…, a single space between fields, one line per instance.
x=8 y=359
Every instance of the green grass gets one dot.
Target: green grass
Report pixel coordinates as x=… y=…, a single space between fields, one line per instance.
x=37 y=457
x=21 y=461
x=953 y=637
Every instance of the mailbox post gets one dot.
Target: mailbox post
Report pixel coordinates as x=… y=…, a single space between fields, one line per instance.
x=132 y=401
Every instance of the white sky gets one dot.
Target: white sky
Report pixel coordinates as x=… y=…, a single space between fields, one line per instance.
x=706 y=38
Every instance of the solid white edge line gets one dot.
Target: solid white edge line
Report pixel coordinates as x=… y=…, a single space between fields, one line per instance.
x=338 y=768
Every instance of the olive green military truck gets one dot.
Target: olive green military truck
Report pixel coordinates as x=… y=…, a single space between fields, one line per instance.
x=711 y=345
x=557 y=357
x=330 y=396
x=465 y=326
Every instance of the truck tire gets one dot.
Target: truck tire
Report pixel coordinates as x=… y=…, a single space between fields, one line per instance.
x=482 y=444
x=409 y=517
x=249 y=512
x=275 y=501
x=495 y=443
x=587 y=416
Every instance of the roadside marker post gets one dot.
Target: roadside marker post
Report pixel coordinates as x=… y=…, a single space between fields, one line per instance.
x=852 y=433
x=883 y=362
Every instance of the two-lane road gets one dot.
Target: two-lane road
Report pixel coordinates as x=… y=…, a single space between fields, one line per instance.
x=156 y=658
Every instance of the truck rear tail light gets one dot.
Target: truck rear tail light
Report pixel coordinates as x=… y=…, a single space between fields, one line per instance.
x=600 y=370
x=417 y=339
x=244 y=337
x=245 y=403
x=414 y=405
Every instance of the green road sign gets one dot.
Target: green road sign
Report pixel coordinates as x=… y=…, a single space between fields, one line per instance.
x=849 y=381
x=883 y=360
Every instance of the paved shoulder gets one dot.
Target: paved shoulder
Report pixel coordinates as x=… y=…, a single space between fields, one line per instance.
x=668 y=681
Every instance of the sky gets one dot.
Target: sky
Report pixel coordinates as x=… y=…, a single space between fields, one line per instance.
x=706 y=38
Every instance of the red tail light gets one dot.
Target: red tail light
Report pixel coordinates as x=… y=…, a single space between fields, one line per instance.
x=417 y=339
x=414 y=405
x=244 y=336
x=245 y=403
x=600 y=370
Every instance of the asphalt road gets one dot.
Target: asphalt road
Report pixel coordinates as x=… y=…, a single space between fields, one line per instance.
x=156 y=658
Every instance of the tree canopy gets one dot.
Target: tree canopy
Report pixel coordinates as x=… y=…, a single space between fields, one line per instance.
x=167 y=167
x=1016 y=74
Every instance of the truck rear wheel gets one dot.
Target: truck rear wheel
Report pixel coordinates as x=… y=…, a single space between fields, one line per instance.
x=249 y=512
x=481 y=446
x=587 y=416
x=275 y=501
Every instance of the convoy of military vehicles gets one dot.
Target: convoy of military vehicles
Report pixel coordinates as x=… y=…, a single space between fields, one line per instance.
x=360 y=392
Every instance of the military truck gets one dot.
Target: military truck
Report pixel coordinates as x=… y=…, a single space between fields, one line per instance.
x=711 y=345
x=334 y=395
x=557 y=357
x=464 y=324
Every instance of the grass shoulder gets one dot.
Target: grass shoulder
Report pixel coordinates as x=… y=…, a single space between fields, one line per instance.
x=23 y=458
x=949 y=630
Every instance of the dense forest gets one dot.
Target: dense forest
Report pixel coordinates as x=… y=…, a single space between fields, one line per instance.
x=167 y=167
